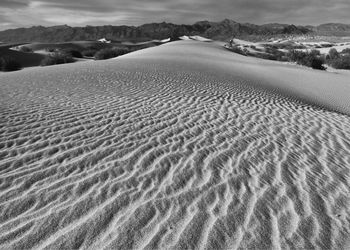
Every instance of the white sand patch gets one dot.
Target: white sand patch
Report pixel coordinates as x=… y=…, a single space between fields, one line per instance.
x=200 y=39
x=185 y=38
x=195 y=38
x=165 y=40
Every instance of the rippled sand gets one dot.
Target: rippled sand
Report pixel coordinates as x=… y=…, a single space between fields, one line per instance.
x=182 y=146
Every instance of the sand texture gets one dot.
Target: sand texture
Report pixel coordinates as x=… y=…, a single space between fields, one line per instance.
x=182 y=146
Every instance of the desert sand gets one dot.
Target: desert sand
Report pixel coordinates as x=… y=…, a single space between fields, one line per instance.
x=181 y=146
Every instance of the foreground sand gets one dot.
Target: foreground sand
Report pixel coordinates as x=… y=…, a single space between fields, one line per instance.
x=181 y=146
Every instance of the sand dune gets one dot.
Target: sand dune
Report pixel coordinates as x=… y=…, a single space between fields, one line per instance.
x=182 y=146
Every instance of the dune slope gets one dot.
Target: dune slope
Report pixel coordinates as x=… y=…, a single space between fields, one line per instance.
x=183 y=146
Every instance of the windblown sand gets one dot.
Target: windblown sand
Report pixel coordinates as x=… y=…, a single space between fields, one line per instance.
x=183 y=146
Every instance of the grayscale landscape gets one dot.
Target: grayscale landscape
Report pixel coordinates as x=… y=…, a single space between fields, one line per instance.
x=203 y=135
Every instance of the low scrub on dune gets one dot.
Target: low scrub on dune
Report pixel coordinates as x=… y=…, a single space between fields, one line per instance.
x=285 y=46
x=110 y=53
x=73 y=53
x=9 y=64
x=51 y=50
x=275 y=54
x=89 y=52
x=332 y=54
x=25 y=49
x=57 y=58
x=311 y=59
x=238 y=50
x=338 y=60
x=270 y=56
x=346 y=51
x=342 y=62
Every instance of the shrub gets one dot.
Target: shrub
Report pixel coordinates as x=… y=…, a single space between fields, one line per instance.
x=50 y=49
x=274 y=54
x=265 y=56
x=73 y=53
x=311 y=59
x=333 y=54
x=346 y=51
x=25 y=49
x=343 y=62
x=238 y=50
x=110 y=53
x=9 y=64
x=57 y=58
x=89 y=52
x=317 y=63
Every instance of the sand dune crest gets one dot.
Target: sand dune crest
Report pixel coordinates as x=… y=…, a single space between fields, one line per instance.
x=158 y=150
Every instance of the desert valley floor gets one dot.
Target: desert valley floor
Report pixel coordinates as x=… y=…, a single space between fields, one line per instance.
x=181 y=146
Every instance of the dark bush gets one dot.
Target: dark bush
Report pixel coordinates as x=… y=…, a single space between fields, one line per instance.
x=286 y=46
x=89 y=52
x=57 y=58
x=25 y=49
x=9 y=64
x=110 y=53
x=272 y=57
x=317 y=63
x=51 y=50
x=346 y=51
x=73 y=53
x=274 y=54
x=265 y=56
x=343 y=62
x=311 y=59
x=238 y=50
x=333 y=54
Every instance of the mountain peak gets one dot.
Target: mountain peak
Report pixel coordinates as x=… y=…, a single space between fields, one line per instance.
x=223 y=30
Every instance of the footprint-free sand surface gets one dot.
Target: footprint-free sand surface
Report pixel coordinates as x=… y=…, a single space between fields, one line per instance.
x=182 y=146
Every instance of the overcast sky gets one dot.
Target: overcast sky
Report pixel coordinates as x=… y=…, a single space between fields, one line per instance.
x=25 y=13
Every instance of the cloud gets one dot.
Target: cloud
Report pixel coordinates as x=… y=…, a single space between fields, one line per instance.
x=18 y=13
x=13 y=3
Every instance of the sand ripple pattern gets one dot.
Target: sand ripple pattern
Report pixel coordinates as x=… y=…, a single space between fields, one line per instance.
x=134 y=155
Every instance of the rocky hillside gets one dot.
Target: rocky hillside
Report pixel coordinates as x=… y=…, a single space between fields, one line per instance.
x=334 y=29
x=215 y=30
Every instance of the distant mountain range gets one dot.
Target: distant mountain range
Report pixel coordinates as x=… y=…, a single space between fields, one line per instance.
x=215 y=30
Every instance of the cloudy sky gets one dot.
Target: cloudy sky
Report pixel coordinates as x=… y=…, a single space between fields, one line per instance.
x=25 y=13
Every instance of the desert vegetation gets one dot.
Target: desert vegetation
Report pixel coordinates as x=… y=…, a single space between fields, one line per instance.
x=312 y=58
x=110 y=53
x=25 y=49
x=339 y=60
x=51 y=50
x=57 y=58
x=346 y=51
x=239 y=50
x=90 y=52
x=9 y=64
x=72 y=52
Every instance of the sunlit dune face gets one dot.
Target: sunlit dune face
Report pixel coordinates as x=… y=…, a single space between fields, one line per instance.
x=180 y=146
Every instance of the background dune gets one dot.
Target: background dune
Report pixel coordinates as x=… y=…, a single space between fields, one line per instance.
x=182 y=146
